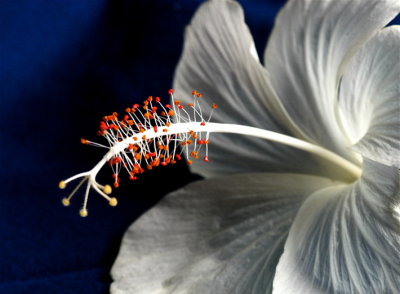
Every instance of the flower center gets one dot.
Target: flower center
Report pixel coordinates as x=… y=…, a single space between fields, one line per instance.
x=147 y=137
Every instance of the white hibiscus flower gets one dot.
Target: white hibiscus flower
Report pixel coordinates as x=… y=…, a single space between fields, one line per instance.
x=287 y=222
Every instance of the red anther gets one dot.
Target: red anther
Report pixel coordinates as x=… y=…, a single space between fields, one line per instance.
x=205 y=158
x=173 y=161
x=171 y=112
x=177 y=156
x=180 y=106
x=164 y=163
x=126 y=117
x=203 y=123
x=138 y=156
x=163 y=113
x=189 y=142
x=157 y=99
x=114 y=176
x=117 y=160
x=141 y=170
x=168 y=106
x=214 y=106
x=199 y=95
x=170 y=91
x=128 y=110
x=152 y=154
x=149 y=167
x=84 y=141
x=115 y=114
x=200 y=142
x=150 y=98
x=103 y=126
x=135 y=106
x=155 y=129
x=194 y=92
x=133 y=178
x=116 y=184
x=130 y=147
x=154 y=109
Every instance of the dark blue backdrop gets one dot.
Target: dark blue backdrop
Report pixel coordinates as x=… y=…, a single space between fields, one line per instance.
x=65 y=64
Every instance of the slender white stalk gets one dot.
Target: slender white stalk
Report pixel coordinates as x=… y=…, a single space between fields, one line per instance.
x=181 y=130
x=238 y=129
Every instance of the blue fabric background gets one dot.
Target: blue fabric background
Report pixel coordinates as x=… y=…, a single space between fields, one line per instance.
x=65 y=64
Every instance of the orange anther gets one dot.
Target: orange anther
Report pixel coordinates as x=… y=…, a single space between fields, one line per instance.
x=128 y=110
x=115 y=114
x=171 y=112
x=189 y=162
x=194 y=92
x=164 y=163
x=165 y=130
x=144 y=137
x=214 y=106
x=137 y=156
x=84 y=141
x=177 y=102
x=135 y=138
x=199 y=95
x=150 y=98
x=167 y=123
x=189 y=142
x=130 y=122
x=190 y=104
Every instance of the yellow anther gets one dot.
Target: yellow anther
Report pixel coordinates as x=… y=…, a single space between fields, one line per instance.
x=83 y=212
x=62 y=185
x=65 y=202
x=107 y=189
x=113 y=201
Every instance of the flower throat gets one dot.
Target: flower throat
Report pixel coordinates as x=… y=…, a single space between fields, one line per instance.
x=149 y=135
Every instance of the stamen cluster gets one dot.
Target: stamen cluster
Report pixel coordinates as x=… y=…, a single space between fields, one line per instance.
x=148 y=135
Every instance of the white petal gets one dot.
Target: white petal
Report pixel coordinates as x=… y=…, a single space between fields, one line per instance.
x=346 y=239
x=219 y=61
x=218 y=236
x=370 y=98
x=309 y=47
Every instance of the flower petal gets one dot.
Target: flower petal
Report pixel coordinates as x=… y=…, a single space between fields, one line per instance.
x=370 y=98
x=215 y=236
x=346 y=239
x=219 y=60
x=307 y=52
